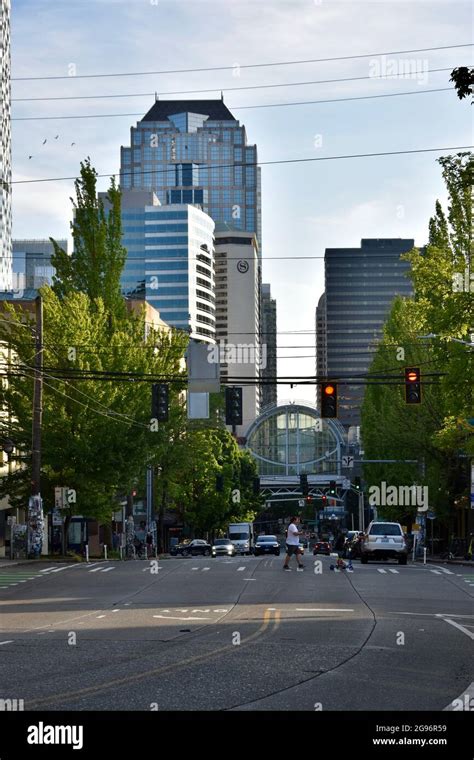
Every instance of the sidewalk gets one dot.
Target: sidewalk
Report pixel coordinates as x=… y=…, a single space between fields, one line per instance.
x=438 y=561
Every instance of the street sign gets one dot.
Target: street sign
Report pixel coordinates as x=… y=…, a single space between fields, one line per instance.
x=348 y=461
x=301 y=502
x=346 y=483
x=58 y=519
x=59 y=497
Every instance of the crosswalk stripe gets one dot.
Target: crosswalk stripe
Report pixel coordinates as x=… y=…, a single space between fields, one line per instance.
x=379 y=570
x=392 y=571
x=107 y=569
x=436 y=572
x=240 y=568
x=205 y=568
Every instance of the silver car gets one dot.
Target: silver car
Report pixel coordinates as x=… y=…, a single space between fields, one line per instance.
x=384 y=540
x=222 y=547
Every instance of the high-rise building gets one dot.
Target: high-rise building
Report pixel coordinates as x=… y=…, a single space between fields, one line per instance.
x=5 y=150
x=170 y=261
x=238 y=281
x=196 y=152
x=361 y=284
x=32 y=266
x=269 y=344
x=321 y=363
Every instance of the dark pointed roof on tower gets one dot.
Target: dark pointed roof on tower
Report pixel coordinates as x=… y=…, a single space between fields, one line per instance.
x=216 y=110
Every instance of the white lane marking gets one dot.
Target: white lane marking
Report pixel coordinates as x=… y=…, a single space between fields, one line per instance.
x=461 y=627
x=220 y=610
x=107 y=569
x=323 y=609
x=239 y=569
x=166 y=617
x=194 y=568
x=433 y=614
x=6 y=642
x=3 y=586
x=454 y=705
x=95 y=570
x=250 y=579
x=180 y=610
x=47 y=569
x=271 y=609
x=205 y=568
x=21 y=581
x=443 y=570
x=393 y=571
x=100 y=616
x=117 y=610
x=436 y=572
x=58 y=569
x=379 y=570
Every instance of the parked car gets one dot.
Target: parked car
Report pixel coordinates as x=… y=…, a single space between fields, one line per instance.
x=223 y=547
x=384 y=540
x=267 y=545
x=322 y=547
x=191 y=548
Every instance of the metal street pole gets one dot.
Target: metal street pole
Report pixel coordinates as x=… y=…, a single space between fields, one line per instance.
x=35 y=523
x=361 y=511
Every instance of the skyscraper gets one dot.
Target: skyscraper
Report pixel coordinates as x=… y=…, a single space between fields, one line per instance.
x=269 y=341
x=170 y=261
x=238 y=280
x=321 y=361
x=196 y=152
x=32 y=263
x=5 y=150
x=361 y=284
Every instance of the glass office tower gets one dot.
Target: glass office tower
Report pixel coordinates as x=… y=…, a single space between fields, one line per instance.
x=361 y=284
x=5 y=151
x=196 y=152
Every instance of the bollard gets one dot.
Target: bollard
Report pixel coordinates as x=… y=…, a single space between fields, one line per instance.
x=424 y=556
x=87 y=552
x=105 y=551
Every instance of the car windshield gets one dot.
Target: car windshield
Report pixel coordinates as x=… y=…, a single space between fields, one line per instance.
x=239 y=536
x=221 y=542
x=385 y=529
x=265 y=539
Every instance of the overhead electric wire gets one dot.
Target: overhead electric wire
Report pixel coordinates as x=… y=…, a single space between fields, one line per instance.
x=241 y=66
x=410 y=74
x=258 y=163
x=239 y=108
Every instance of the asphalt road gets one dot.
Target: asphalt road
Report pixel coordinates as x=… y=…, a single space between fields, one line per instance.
x=235 y=634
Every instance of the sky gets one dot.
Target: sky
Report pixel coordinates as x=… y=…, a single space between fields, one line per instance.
x=306 y=207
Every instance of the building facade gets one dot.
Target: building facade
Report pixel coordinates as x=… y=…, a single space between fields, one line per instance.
x=170 y=261
x=195 y=152
x=269 y=341
x=321 y=362
x=238 y=282
x=360 y=285
x=32 y=263
x=5 y=150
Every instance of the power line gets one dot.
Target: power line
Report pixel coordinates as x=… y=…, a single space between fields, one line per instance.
x=240 y=108
x=242 y=66
x=403 y=75
x=259 y=163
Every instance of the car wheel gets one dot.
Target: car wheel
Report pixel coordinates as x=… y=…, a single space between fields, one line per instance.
x=206 y=552
x=364 y=559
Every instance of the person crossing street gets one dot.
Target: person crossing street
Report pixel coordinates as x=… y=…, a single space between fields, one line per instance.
x=293 y=544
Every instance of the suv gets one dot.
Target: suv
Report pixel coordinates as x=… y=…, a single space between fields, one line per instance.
x=383 y=540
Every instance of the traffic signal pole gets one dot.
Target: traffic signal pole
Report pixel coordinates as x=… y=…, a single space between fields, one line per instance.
x=37 y=401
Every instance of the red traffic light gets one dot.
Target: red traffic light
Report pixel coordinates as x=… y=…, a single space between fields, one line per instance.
x=412 y=376
x=412 y=385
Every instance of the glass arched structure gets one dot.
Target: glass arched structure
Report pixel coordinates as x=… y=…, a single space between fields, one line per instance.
x=292 y=439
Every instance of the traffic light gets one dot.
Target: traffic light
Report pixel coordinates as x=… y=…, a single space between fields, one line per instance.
x=160 y=402
x=256 y=486
x=309 y=499
x=219 y=482
x=357 y=483
x=329 y=400
x=304 y=484
x=412 y=385
x=332 y=488
x=233 y=406
x=324 y=500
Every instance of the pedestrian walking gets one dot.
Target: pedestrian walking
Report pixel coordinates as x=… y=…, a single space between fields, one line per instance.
x=293 y=544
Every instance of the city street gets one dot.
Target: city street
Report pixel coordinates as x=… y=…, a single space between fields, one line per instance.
x=121 y=636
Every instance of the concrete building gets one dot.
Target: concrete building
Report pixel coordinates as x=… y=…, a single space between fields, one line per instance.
x=32 y=263
x=5 y=150
x=170 y=261
x=195 y=152
x=360 y=285
x=238 y=281
x=269 y=341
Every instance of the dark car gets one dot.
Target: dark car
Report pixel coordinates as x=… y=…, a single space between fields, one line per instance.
x=322 y=547
x=267 y=545
x=223 y=547
x=192 y=548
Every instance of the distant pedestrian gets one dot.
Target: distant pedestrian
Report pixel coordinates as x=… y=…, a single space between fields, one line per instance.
x=293 y=544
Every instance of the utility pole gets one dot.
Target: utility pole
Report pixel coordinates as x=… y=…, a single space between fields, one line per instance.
x=35 y=530
x=37 y=400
